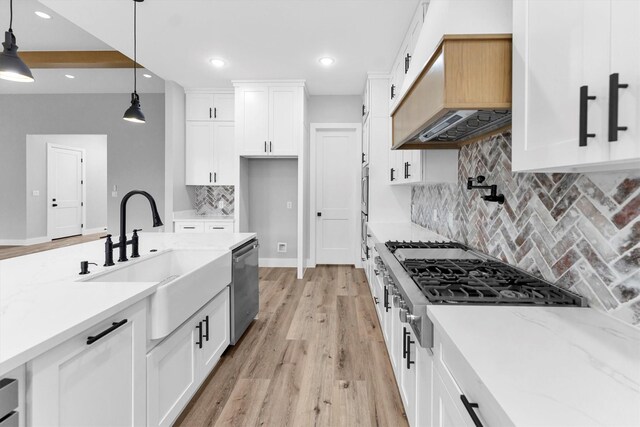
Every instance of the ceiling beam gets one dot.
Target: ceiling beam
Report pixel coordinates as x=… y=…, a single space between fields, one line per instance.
x=77 y=59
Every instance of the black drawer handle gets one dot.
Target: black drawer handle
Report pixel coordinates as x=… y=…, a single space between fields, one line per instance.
x=409 y=343
x=199 y=342
x=405 y=335
x=392 y=171
x=376 y=300
x=470 y=409
x=188 y=227
x=386 y=299
x=584 y=116
x=614 y=86
x=114 y=326
x=54 y=205
x=206 y=328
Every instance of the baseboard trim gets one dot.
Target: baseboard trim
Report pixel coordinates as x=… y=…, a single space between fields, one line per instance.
x=94 y=230
x=278 y=262
x=24 y=242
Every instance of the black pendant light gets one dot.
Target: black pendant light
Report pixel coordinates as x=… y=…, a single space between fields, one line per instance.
x=11 y=66
x=134 y=113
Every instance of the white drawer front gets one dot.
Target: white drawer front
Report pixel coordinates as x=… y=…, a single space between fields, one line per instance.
x=190 y=227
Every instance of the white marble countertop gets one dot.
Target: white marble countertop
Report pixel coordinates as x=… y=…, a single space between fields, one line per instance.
x=556 y=366
x=384 y=231
x=42 y=304
x=193 y=216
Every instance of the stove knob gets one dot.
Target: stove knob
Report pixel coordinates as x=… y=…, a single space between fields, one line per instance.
x=396 y=300
x=403 y=315
x=414 y=320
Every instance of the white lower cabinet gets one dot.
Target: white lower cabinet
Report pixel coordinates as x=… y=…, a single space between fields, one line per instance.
x=177 y=366
x=446 y=409
x=424 y=387
x=408 y=373
x=95 y=378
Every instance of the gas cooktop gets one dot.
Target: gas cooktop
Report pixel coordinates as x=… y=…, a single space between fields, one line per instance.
x=451 y=273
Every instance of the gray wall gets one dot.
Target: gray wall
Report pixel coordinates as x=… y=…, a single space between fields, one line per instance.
x=135 y=152
x=335 y=109
x=273 y=183
x=95 y=161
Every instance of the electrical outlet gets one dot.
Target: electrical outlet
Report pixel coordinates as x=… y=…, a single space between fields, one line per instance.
x=282 y=247
x=289 y=205
x=35 y=193
x=435 y=214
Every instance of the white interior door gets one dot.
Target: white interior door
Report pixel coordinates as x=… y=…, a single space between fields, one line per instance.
x=64 y=188
x=336 y=182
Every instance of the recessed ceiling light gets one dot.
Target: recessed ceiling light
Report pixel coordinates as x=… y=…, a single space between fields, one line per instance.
x=42 y=15
x=147 y=75
x=326 y=61
x=69 y=76
x=217 y=62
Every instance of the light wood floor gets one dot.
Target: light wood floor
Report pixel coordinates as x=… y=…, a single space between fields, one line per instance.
x=14 y=251
x=314 y=357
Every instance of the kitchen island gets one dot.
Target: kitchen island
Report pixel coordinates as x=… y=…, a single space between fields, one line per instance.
x=46 y=306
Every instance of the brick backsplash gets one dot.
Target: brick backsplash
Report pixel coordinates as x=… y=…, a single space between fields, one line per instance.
x=581 y=231
x=208 y=198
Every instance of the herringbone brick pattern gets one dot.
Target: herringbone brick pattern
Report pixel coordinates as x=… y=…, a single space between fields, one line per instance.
x=579 y=230
x=209 y=197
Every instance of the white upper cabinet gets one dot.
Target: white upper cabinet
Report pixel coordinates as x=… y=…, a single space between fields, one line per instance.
x=209 y=153
x=211 y=106
x=564 y=54
x=269 y=118
x=365 y=141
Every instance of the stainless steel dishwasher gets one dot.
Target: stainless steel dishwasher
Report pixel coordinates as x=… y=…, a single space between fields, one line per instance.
x=245 y=296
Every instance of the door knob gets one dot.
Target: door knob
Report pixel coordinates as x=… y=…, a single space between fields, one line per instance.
x=319 y=214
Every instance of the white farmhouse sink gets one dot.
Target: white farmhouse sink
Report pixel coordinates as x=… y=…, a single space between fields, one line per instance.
x=188 y=280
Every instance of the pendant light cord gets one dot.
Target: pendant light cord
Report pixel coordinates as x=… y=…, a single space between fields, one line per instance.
x=135 y=43
x=10 y=16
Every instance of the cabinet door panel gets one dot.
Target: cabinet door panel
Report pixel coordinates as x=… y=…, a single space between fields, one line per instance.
x=282 y=120
x=171 y=375
x=365 y=142
x=253 y=121
x=424 y=387
x=101 y=384
x=199 y=106
x=446 y=412
x=216 y=313
x=223 y=153
x=408 y=374
x=559 y=46
x=625 y=60
x=199 y=153
x=224 y=106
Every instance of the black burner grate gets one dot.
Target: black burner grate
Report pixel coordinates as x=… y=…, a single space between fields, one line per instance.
x=395 y=245
x=477 y=281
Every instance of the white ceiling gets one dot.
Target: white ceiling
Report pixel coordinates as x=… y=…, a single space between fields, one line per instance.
x=259 y=39
x=34 y=33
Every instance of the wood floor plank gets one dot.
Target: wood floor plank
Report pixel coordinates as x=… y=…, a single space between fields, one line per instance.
x=16 y=251
x=269 y=380
x=350 y=404
x=241 y=409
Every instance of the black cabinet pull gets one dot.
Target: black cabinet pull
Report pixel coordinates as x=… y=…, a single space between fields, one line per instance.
x=189 y=227
x=114 y=326
x=407 y=62
x=405 y=335
x=393 y=91
x=206 y=328
x=362 y=157
x=209 y=112
x=265 y=146
x=584 y=99
x=210 y=176
x=386 y=299
x=614 y=86
x=470 y=409
x=215 y=177
x=363 y=110
x=215 y=112
x=270 y=150
x=392 y=171
x=376 y=300
x=409 y=342
x=407 y=174
x=199 y=328
x=54 y=204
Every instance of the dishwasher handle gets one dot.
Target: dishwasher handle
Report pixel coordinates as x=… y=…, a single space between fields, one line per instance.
x=237 y=257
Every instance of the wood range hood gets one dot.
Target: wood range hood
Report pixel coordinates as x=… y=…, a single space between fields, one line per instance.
x=462 y=94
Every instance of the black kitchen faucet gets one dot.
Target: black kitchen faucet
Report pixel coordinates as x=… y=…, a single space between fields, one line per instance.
x=123 y=242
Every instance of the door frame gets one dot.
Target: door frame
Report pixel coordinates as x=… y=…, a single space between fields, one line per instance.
x=83 y=208
x=316 y=128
